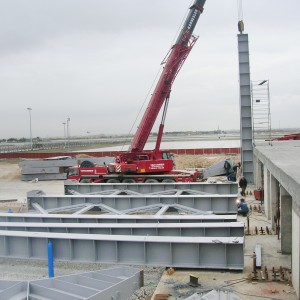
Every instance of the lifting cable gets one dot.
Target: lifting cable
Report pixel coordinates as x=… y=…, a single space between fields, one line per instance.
x=240 y=10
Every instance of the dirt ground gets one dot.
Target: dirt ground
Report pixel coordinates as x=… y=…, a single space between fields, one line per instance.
x=201 y=161
x=9 y=169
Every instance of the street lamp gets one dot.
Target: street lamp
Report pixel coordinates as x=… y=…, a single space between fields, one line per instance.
x=68 y=131
x=29 y=110
x=64 y=123
x=262 y=82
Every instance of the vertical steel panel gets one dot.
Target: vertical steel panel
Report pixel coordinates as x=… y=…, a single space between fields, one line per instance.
x=245 y=108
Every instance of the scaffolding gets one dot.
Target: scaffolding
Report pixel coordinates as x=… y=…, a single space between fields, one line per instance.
x=261 y=112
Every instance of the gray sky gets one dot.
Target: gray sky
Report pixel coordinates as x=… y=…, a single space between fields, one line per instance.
x=95 y=61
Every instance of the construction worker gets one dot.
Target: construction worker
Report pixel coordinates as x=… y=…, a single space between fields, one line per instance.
x=227 y=167
x=236 y=167
x=243 y=208
x=243 y=185
x=232 y=176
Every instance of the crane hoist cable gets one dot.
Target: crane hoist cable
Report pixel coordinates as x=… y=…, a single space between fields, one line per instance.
x=240 y=10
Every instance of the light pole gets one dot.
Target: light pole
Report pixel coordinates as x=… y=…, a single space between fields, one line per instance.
x=29 y=110
x=68 y=131
x=64 y=123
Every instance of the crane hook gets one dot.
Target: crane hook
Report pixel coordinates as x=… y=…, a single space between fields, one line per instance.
x=241 y=26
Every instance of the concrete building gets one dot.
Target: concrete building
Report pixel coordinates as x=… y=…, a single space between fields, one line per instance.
x=277 y=173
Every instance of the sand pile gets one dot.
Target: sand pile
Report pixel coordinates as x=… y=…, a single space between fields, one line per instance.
x=201 y=161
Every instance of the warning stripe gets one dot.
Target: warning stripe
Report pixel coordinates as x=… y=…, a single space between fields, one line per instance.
x=118 y=168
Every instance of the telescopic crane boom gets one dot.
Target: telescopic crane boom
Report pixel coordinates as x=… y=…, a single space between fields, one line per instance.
x=137 y=164
x=173 y=63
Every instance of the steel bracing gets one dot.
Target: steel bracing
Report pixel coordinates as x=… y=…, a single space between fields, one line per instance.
x=211 y=203
x=157 y=209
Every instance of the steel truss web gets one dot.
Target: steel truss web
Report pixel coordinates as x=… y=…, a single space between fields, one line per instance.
x=116 y=204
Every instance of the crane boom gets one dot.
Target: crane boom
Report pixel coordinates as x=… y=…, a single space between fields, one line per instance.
x=139 y=165
x=173 y=63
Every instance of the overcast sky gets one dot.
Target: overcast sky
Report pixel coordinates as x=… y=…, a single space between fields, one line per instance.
x=95 y=61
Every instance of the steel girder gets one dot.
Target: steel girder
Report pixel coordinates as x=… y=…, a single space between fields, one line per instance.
x=64 y=218
x=187 y=252
x=115 y=283
x=227 y=229
x=148 y=188
x=213 y=203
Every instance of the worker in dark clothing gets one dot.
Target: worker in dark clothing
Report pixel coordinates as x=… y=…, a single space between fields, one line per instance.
x=243 y=208
x=243 y=185
x=227 y=167
x=236 y=167
x=231 y=176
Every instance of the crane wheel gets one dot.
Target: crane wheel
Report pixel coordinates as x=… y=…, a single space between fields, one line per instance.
x=168 y=181
x=113 y=180
x=128 y=180
x=151 y=180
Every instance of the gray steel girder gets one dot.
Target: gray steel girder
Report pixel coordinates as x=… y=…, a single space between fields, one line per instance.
x=115 y=283
x=227 y=229
x=148 y=188
x=186 y=252
x=64 y=218
x=213 y=203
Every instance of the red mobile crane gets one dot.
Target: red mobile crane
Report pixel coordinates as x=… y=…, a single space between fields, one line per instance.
x=137 y=164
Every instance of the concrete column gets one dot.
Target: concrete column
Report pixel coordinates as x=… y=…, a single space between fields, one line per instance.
x=259 y=175
x=273 y=194
x=257 y=172
x=267 y=202
x=296 y=253
x=255 y=162
x=286 y=203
